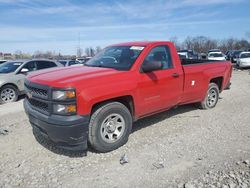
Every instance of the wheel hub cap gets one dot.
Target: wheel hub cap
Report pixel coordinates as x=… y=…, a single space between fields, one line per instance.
x=212 y=97
x=8 y=95
x=112 y=128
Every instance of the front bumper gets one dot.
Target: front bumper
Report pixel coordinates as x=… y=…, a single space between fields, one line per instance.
x=68 y=132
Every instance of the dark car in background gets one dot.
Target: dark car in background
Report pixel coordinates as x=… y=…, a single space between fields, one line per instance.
x=229 y=54
x=235 y=55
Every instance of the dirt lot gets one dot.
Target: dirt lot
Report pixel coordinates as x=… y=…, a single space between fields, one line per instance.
x=182 y=147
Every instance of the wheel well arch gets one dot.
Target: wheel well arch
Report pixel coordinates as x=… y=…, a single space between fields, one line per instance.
x=11 y=84
x=127 y=100
x=218 y=81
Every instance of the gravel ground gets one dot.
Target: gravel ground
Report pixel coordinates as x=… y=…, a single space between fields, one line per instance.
x=184 y=147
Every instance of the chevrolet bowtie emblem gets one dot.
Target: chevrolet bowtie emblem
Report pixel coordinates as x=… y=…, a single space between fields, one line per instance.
x=29 y=94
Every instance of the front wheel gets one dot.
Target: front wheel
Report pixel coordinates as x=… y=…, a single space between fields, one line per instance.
x=211 y=98
x=8 y=94
x=110 y=126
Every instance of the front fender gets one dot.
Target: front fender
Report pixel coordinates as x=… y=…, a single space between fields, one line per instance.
x=91 y=96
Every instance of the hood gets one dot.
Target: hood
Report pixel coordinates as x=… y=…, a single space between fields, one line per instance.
x=5 y=75
x=70 y=76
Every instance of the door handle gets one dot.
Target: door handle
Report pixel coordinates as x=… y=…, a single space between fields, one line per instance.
x=175 y=75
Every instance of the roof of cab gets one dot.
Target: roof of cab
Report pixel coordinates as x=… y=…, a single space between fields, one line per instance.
x=140 y=43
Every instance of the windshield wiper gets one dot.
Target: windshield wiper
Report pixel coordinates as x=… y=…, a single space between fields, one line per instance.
x=102 y=66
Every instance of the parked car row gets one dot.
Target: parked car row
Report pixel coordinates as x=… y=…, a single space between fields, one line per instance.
x=240 y=57
x=214 y=54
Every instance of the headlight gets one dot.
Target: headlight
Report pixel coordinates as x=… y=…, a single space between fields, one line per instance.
x=63 y=94
x=64 y=109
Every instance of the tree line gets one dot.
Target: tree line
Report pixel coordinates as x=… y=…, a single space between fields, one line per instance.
x=200 y=44
x=88 y=52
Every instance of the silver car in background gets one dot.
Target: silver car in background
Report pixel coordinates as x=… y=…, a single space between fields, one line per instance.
x=13 y=73
x=243 y=60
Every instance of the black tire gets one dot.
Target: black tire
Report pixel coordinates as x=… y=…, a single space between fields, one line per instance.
x=210 y=101
x=238 y=66
x=97 y=124
x=13 y=94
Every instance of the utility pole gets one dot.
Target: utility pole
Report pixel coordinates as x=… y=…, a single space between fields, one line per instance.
x=79 y=40
x=79 y=50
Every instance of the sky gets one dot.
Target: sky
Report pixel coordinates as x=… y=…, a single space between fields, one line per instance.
x=63 y=25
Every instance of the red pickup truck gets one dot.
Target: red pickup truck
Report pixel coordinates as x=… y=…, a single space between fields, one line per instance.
x=98 y=103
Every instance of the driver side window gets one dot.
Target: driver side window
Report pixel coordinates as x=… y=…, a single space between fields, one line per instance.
x=162 y=54
x=31 y=66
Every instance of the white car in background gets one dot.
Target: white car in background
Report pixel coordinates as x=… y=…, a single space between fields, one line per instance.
x=243 y=60
x=217 y=56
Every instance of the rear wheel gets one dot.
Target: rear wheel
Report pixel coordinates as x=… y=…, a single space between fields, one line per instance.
x=211 y=98
x=110 y=126
x=8 y=94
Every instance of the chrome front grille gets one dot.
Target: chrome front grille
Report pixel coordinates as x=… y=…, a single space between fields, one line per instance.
x=35 y=91
x=38 y=97
x=39 y=105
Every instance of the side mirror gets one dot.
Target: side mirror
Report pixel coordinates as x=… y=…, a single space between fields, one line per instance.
x=149 y=66
x=24 y=70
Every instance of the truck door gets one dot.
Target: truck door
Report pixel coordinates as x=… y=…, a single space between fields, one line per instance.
x=161 y=89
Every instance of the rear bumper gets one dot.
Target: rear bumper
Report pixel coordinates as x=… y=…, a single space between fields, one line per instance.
x=69 y=132
x=243 y=65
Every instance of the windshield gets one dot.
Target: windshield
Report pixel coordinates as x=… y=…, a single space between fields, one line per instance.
x=215 y=55
x=117 y=57
x=9 y=67
x=245 y=55
x=214 y=50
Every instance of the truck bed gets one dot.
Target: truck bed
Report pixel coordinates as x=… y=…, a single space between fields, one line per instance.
x=196 y=77
x=196 y=61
